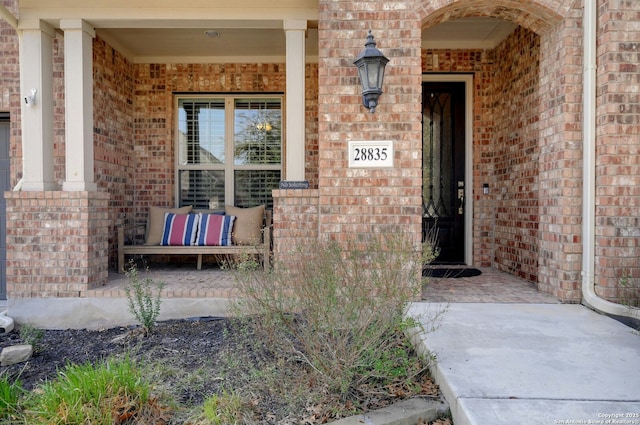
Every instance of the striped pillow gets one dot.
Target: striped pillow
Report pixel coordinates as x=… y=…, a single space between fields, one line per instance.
x=215 y=229
x=179 y=229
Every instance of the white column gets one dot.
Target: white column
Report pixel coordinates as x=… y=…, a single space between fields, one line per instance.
x=78 y=94
x=36 y=101
x=295 y=99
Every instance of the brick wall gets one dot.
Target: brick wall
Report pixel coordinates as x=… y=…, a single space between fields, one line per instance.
x=134 y=120
x=114 y=155
x=56 y=243
x=560 y=178
x=311 y=121
x=536 y=15
x=525 y=148
x=295 y=221
x=515 y=150
x=618 y=151
x=10 y=87
x=58 y=110
x=10 y=75
x=366 y=201
x=60 y=243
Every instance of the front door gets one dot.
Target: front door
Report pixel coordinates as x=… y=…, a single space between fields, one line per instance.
x=443 y=178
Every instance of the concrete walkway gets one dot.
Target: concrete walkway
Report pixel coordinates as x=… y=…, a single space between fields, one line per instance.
x=533 y=364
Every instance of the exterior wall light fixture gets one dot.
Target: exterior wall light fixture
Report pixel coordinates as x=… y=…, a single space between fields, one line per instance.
x=371 y=63
x=30 y=100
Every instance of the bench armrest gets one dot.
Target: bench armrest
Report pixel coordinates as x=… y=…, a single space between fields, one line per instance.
x=121 y=233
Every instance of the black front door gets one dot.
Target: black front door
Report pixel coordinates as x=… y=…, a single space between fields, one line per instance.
x=443 y=178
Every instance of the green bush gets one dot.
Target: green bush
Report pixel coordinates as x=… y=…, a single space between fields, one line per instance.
x=32 y=336
x=143 y=297
x=108 y=393
x=340 y=310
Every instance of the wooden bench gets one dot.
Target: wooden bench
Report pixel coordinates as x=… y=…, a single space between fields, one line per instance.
x=263 y=249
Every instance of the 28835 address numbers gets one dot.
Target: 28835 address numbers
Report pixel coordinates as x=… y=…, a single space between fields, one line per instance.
x=371 y=154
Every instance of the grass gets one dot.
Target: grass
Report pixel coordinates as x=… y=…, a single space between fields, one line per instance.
x=11 y=394
x=629 y=291
x=226 y=408
x=107 y=393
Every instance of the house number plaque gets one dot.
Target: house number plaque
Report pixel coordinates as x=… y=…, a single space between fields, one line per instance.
x=371 y=154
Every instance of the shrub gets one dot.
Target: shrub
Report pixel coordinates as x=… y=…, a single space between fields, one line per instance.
x=143 y=297
x=340 y=309
x=33 y=336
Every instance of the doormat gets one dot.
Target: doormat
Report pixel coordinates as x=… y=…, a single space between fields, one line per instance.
x=450 y=272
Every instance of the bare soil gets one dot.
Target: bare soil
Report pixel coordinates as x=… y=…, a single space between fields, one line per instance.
x=190 y=360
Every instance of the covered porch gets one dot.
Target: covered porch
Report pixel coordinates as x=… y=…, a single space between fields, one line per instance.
x=210 y=292
x=184 y=281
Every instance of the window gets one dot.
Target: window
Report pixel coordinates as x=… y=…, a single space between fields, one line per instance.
x=229 y=150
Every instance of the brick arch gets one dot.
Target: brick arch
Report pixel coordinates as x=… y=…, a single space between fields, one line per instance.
x=535 y=15
x=555 y=135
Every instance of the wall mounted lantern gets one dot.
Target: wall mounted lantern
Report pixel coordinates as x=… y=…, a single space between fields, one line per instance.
x=371 y=63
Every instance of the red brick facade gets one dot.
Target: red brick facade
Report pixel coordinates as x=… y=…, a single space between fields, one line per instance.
x=295 y=221
x=360 y=201
x=57 y=243
x=527 y=141
x=618 y=148
x=10 y=86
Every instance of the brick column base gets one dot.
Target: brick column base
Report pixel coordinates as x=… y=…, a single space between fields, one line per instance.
x=295 y=220
x=57 y=243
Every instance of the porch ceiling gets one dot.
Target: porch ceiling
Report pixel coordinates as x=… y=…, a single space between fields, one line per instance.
x=249 y=30
x=467 y=33
x=265 y=40
x=264 y=43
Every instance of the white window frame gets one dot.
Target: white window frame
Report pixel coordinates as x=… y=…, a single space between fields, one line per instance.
x=229 y=165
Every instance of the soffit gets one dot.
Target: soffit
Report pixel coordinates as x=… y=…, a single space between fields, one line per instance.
x=240 y=45
x=266 y=40
x=148 y=31
x=467 y=33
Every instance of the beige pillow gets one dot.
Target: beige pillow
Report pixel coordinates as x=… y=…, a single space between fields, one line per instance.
x=155 y=222
x=247 y=228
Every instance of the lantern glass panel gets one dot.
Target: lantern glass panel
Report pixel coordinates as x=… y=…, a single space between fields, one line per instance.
x=381 y=76
x=363 y=76
x=372 y=69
